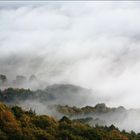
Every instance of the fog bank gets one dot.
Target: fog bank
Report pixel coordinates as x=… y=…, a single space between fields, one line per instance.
x=90 y=44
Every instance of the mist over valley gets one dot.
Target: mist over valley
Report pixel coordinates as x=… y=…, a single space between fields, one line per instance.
x=78 y=62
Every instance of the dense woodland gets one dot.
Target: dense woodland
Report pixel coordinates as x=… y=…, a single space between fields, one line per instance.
x=98 y=108
x=51 y=93
x=18 y=124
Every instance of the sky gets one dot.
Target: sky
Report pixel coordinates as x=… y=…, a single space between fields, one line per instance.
x=92 y=44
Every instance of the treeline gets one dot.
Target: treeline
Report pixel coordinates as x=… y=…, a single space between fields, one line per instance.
x=18 y=124
x=15 y=95
x=19 y=79
x=57 y=93
x=99 y=108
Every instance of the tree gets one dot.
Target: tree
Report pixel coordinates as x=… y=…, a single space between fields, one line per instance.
x=3 y=79
x=17 y=111
x=10 y=125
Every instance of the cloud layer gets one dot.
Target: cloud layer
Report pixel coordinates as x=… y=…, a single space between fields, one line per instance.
x=91 y=44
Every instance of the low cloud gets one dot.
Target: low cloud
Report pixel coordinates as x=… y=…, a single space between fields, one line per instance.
x=90 y=44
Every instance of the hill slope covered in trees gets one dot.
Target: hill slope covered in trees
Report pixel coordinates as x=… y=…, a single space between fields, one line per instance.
x=56 y=101
x=18 y=124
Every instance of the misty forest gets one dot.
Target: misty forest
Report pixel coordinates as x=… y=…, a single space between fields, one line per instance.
x=69 y=70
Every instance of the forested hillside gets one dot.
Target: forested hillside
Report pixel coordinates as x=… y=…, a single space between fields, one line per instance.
x=58 y=93
x=18 y=124
x=62 y=100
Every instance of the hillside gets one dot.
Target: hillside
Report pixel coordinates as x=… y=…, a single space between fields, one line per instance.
x=102 y=115
x=55 y=94
x=18 y=124
x=63 y=100
x=98 y=109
